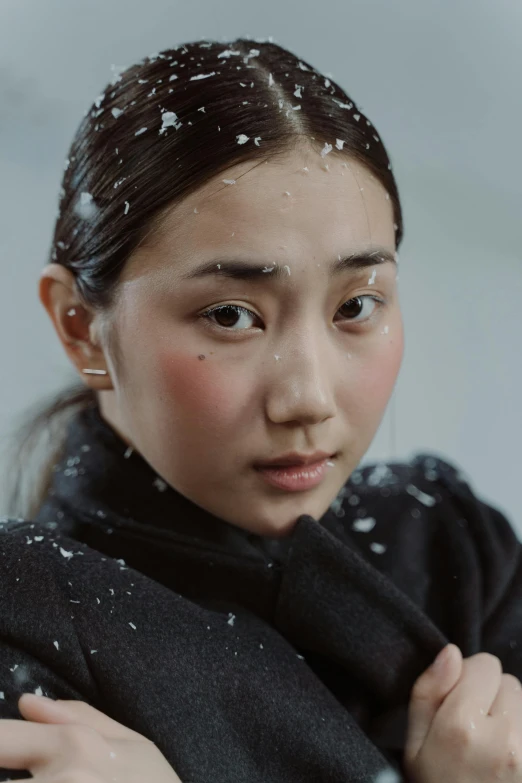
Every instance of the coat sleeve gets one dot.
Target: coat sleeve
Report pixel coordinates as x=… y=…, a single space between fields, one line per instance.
x=39 y=648
x=497 y=554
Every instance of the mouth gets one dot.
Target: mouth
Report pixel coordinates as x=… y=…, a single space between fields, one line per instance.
x=294 y=459
x=297 y=477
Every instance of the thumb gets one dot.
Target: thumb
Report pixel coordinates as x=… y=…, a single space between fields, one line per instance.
x=428 y=693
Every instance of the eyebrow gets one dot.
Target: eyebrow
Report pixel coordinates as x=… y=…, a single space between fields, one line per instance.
x=244 y=270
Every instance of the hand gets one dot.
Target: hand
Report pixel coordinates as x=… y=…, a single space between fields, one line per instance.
x=71 y=741
x=465 y=722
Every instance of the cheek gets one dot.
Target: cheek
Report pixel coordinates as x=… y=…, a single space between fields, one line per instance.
x=377 y=381
x=201 y=389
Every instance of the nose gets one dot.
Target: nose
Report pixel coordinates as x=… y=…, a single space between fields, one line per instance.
x=301 y=386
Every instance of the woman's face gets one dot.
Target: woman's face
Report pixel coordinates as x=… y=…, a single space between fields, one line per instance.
x=288 y=364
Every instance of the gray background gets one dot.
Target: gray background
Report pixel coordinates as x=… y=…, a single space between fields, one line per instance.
x=441 y=81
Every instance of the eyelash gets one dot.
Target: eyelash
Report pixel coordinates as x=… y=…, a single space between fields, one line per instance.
x=240 y=309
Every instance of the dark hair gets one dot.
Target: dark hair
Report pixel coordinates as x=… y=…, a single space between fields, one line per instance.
x=158 y=132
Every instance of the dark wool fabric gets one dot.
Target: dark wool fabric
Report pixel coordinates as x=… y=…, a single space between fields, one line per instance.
x=249 y=659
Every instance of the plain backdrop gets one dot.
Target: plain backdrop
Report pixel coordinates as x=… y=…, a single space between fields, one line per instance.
x=440 y=80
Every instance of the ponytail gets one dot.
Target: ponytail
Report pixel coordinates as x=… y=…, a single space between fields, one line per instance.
x=36 y=445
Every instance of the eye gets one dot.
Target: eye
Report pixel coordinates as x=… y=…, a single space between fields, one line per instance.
x=228 y=316
x=353 y=305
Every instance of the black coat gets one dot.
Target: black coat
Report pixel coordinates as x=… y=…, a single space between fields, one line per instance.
x=248 y=659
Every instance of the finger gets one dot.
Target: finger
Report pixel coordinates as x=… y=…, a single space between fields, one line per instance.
x=428 y=693
x=477 y=688
x=508 y=700
x=26 y=745
x=41 y=710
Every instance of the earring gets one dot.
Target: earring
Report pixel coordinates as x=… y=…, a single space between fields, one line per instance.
x=95 y=372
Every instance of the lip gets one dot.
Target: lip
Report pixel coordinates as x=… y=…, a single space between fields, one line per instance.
x=296 y=478
x=292 y=459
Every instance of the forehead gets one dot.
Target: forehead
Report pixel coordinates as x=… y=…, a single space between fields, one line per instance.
x=292 y=208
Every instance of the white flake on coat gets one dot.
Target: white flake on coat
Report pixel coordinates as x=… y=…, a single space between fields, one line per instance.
x=380 y=474
x=364 y=525
x=427 y=500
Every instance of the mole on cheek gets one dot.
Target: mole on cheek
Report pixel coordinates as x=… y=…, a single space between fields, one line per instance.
x=183 y=372
x=195 y=384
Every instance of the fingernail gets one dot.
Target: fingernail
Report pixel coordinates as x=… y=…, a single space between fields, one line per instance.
x=441 y=659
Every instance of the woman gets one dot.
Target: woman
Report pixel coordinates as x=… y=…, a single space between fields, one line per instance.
x=203 y=561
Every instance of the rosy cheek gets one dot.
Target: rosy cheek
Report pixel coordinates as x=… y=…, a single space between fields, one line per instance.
x=381 y=372
x=202 y=387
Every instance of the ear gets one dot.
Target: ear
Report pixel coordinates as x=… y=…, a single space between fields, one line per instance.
x=40 y=709
x=75 y=324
